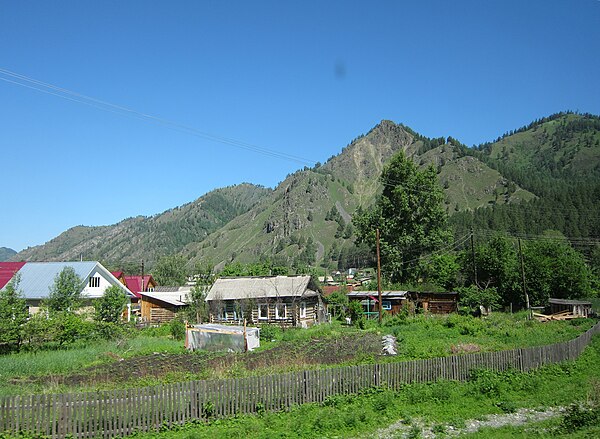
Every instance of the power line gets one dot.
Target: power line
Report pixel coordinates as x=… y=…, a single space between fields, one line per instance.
x=34 y=84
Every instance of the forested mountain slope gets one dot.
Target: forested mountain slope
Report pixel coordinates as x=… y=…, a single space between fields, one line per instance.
x=149 y=238
x=307 y=219
x=558 y=159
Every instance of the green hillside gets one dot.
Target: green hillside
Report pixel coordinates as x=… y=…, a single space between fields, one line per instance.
x=6 y=253
x=307 y=219
x=149 y=238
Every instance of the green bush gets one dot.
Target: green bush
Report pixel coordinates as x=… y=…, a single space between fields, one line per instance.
x=177 y=329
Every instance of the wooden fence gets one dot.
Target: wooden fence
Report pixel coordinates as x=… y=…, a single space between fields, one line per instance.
x=122 y=412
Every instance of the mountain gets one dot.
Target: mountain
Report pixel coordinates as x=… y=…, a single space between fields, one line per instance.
x=307 y=218
x=558 y=159
x=149 y=238
x=6 y=253
x=542 y=176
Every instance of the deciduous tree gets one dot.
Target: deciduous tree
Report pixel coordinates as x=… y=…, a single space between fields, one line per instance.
x=410 y=216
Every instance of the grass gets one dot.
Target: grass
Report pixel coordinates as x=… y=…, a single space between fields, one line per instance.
x=435 y=404
x=282 y=350
x=79 y=356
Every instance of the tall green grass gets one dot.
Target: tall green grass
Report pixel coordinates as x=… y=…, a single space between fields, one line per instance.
x=81 y=356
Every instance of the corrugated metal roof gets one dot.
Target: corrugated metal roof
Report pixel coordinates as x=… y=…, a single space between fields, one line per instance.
x=8 y=270
x=401 y=294
x=172 y=298
x=134 y=283
x=569 y=302
x=38 y=277
x=260 y=287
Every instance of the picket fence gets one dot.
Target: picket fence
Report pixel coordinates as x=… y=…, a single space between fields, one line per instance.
x=121 y=412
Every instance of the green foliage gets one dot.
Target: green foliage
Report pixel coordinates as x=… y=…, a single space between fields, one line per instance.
x=65 y=293
x=355 y=311
x=177 y=329
x=264 y=268
x=337 y=302
x=471 y=298
x=109 y=307
x=410 y=216
x=170 y=270
x=13 y=315
x=554 y=269
x=442 y=270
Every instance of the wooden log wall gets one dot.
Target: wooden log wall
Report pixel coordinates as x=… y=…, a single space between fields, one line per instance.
x=121 y=412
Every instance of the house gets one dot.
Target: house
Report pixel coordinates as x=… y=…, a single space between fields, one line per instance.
x=163 y=303
x=282 y=300
x=576 y=307
x=37 y=278
x=391 y=301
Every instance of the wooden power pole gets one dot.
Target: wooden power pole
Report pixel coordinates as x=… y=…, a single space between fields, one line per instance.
x=379 y=280
x=523 y=275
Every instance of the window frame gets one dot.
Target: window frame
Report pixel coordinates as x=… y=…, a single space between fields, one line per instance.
x=266 y=307
x=277 y=307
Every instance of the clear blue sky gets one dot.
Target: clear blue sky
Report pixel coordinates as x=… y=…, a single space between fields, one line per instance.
x=302 y=78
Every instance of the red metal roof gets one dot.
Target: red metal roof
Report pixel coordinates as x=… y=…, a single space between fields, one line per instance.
x=117 y=274
x=8 y=270
x=134 y=284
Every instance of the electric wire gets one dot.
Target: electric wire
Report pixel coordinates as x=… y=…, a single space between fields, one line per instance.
x=34 y=84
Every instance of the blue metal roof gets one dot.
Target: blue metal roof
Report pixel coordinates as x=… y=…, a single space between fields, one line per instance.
x=38 y=277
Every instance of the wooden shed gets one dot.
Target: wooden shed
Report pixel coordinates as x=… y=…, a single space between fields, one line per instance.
x=163 y=304
x=434 y=302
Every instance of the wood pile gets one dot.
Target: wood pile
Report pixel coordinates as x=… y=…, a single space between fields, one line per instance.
x=563 y=315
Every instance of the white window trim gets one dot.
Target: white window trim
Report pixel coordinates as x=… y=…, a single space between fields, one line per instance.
x=386 y=304
x=260 y=317
x=277 y=316
x=302 y=309
x=94 y=282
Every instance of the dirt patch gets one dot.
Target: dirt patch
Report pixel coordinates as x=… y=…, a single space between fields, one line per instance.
x=287 y=355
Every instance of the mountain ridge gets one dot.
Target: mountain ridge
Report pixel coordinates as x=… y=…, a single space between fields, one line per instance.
x=305 y=220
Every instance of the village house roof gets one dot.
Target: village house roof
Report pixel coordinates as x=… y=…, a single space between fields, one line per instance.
x=569 y=302
x=8 y=270
x=256 y=287
x=385 y=294
x=177 y=298
x=37 y=278
x=134 y=283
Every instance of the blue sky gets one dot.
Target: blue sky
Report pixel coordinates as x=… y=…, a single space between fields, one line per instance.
x=300 y=78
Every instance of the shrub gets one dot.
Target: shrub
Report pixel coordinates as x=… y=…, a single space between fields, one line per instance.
x=177 y=329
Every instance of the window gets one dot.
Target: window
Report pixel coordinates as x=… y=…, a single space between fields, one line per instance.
x=263 y=311
x=280 y=310
x=94 y=282
x=302 y=309
x=386 y=304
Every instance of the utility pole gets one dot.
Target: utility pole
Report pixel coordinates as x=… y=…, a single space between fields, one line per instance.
x=379 y=279
x=142 y=275
x=473 y=254
x=523 y=275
